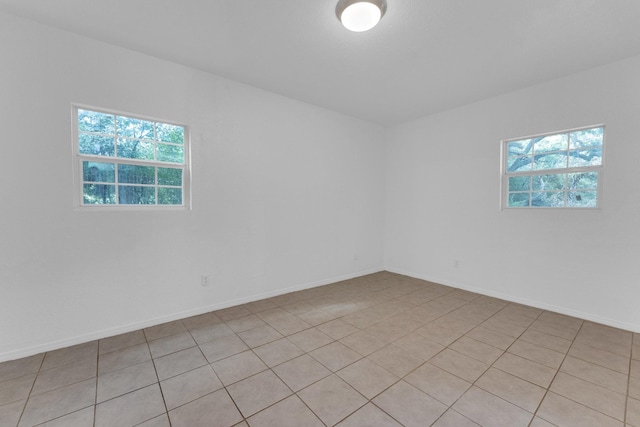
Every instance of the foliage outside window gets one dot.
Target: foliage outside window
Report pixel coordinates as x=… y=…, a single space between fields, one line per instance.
x=127 y=161
x=559 y=170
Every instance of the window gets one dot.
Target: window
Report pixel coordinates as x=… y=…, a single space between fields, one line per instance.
x=558 y=170
x=129 y=161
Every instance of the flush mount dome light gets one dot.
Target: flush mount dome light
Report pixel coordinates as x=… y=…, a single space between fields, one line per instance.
x=360 y=15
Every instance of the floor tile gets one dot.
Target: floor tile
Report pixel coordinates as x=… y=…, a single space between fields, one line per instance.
x=119 y=342
x=210 y=332
x=277 y=352
x=161 y=421
x=245 y=323
x=231 y=313
x=189 y=386
x=562 y=331
x=409 y=406
x=259 y=336
x=176 y=363
x=368 y=416
x=633 y=412
x=536 y=353
x=215 y=409
x=301 y=372
x=476 y=350
x=452 y=418
x=200 y=321
x=16 y=389
x=81 y=418
x=596 y=374
x=367 y=377
x=10 y=413
x=258 y=392
x=238 y=367
x=634 y=387
x=504 y=327
x=20 y=367
x=132 y=408
x=548 y=341
x=488 y=410
x=386 y=331
x=439 y=384
x=310 y=339
x=419 y=346
x=363 y=342
x=525 y=369
x=171 y=344
x=316 y=317
x=459 y=365
x=117 y=383
x=439 y=334
x=123 y=358
x=396 y=360
x=64 y=375
x=335 y=356
x=80 y=353
x=493 y=338
x=59 y=402
x=539 y=422
x=567 y=413
x=599 y=398
x=223 y=347
x=164 y=330
x=290 y=412
x=512 y=389
x=332 y=399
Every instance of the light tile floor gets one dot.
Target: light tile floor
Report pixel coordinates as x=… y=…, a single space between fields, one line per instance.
x=379 y=350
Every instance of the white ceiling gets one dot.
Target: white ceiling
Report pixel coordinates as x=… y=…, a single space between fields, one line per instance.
x=425 y=56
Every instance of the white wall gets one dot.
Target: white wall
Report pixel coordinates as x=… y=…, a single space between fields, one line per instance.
x=285 y=195
x=443 y=189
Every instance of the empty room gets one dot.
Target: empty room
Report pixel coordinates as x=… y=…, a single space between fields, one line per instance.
x=319 y=213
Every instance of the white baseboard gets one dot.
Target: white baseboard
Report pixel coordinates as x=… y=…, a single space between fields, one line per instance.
x=512 y=298
x=109 y=332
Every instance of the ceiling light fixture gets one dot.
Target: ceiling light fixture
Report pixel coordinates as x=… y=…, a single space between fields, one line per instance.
x=360 y=15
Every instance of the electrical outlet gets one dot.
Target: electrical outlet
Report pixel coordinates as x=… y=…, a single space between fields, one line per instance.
x=204 y=280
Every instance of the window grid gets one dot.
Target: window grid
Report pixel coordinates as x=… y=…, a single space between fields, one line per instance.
x=102 y=173
x=571 y=162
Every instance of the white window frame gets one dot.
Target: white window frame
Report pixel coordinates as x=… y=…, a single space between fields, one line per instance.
x=505 y=175
x=79 y=158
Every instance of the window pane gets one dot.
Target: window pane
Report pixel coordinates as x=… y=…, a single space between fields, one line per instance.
x=92 y=121
x=519 y=183
x=548 y=199
x=548 y=182
x=550 y=143
x=586 y=138
x=516 y=148
x=134 y=149
x=132 y=174
x=169 y=176
x=99 y=194
x=585 y=180
x=96 y=144
x=518 y=164
x=134 y=128
x=136 y=195
x=169 y=196
x=589 y=157
x=98 y=172
x=582 y=199
x=169 y=133
x=550 y=161
x=170 y=153
x=518 y=199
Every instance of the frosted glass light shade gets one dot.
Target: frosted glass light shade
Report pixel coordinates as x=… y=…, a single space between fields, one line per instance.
x=360 y=15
